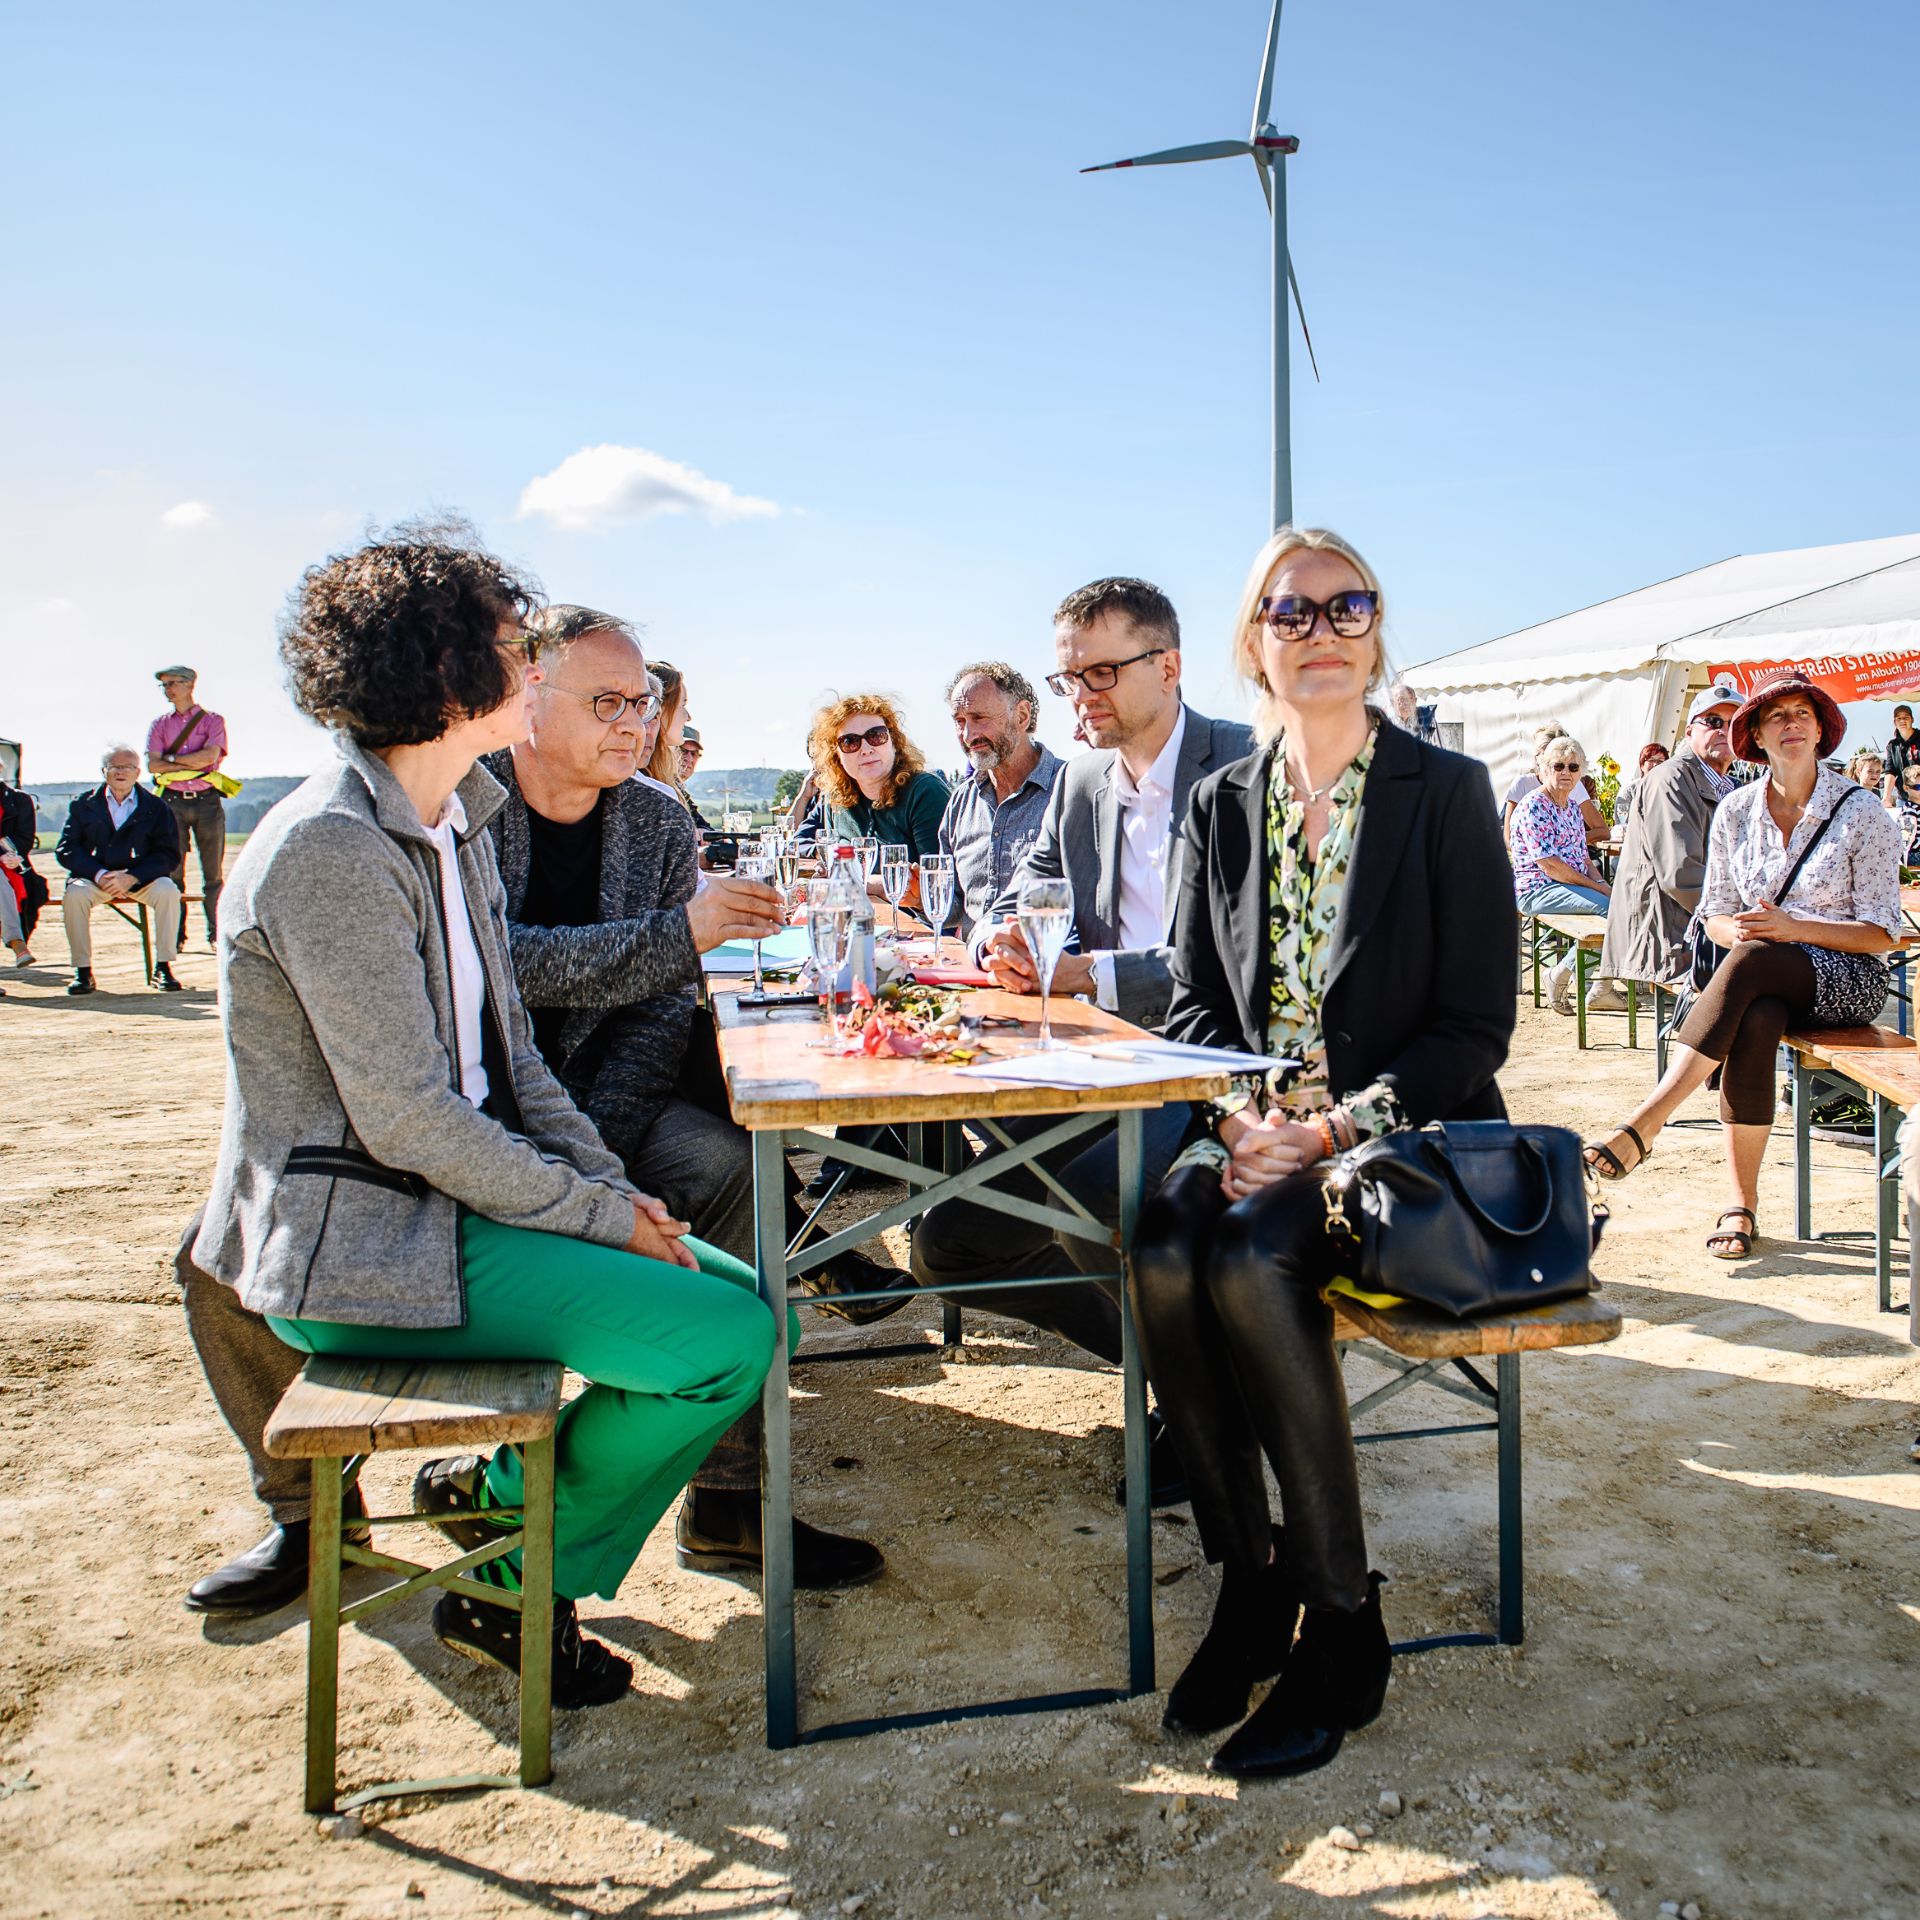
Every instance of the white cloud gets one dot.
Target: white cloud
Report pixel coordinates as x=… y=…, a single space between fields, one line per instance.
x=601 y=485
x=190 y=516
x=54 y=604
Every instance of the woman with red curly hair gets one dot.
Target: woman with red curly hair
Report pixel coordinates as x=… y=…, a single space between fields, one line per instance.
x=874 y=778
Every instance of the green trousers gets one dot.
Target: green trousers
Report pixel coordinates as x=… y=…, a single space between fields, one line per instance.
x=673 y=1357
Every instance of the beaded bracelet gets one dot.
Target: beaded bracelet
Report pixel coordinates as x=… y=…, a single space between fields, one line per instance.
x=1325 y=1127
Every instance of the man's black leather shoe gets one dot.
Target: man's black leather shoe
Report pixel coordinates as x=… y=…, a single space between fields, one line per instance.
x=1166 y=1471
x=163 y=980
x=82 y=981
x=719 y=1532
x=855 y=1273
x=270 y=1573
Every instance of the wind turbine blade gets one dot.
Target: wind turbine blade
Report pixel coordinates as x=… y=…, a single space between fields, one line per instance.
x=1176 y=156
x=1300 y=308
x=1261 y=164
x=1263 y=102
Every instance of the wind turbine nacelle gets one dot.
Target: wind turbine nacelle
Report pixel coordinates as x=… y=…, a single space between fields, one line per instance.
x=1276 y=143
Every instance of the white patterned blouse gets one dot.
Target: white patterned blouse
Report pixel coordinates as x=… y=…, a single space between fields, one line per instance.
x=1854 y=873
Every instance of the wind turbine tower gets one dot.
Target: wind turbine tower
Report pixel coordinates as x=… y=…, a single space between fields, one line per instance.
x=1269 y=149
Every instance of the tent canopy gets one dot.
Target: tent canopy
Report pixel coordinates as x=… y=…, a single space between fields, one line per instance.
x=1617 y=674
x=1710 y=615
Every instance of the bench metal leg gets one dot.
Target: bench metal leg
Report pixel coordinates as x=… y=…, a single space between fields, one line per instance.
x=1886 y=1222
x=536 y=1613
x=953 y=1144
x=1802 y=1149
x=1581 y=958
x=323 y=1635
x=776 y=1449
x=1633 y=1014
x=1513 y=1621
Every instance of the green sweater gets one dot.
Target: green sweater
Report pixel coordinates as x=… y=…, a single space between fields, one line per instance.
x=913 y=821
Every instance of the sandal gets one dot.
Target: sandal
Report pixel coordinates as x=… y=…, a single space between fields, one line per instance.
x=1597 y=1151
x=1742 y=1238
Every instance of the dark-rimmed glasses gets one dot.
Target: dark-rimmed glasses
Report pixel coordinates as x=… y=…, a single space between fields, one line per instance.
x=1713 y=722
x=608 y=707
x=1564 y=766
x=873 y=737
x=1349 y=614
x=1101 y=677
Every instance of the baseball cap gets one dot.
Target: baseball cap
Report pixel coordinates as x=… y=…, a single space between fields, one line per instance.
x=689 y=736
x=1711 y=697
x=176 y=673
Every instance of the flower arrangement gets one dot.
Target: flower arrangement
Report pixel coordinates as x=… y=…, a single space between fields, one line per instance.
x=1606 y=789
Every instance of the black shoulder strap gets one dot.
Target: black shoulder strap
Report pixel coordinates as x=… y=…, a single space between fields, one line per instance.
x=1793 y=872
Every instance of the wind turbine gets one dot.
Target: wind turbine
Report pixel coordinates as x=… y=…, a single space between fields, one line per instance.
x=1269 y=150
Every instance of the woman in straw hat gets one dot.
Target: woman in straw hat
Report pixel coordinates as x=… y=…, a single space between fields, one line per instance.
x=1803 y=893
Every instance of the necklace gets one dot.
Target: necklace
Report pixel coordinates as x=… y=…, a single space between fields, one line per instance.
x=1311 y=796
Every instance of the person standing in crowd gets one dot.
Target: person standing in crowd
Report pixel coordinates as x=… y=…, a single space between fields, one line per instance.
x=1529 y=782
x=23 y=891
x=1663 y=853
x=1344 y=902
x=1867 y=769
x=691 y=751
x=120 y=843
x=1903 y=751
x=183 y=746
x=1815 y=957
x=1906 y=813
x=1112 y=830
x=995 y=812
x=400 y=1175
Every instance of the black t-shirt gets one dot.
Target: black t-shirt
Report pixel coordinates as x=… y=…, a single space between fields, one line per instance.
x=563 y=890
x=1902 y=753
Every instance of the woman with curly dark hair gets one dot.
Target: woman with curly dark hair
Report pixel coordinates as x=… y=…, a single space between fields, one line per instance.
x=874 y=778
x=399 y=1174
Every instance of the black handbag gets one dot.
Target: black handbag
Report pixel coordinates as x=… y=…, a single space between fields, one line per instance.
x=1469 y=1216
x=1706 y=955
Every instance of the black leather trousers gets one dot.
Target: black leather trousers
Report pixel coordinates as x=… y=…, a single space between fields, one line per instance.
x=1239 y=1346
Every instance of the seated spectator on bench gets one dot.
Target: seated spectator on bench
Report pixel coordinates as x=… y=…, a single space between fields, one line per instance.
x=1552 y=870
x=25 y=893
x=607 y=931
x=400 y=1175
x=1344 y=901
x=1652 y=755
x=1816 y=958
x=1529 y=782
x=120 y=844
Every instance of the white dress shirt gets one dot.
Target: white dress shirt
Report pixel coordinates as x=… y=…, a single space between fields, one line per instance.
x=468 y=976
x=1146 y=845
x=121 y=811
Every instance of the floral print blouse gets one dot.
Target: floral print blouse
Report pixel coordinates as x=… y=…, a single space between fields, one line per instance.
x=1853 y=874
x=1542 y=828
x=1305 y=895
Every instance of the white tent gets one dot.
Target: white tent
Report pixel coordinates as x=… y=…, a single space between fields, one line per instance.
x=1618 y=674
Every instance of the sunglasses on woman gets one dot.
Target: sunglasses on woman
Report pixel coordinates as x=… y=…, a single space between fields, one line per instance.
x=873 y=737
x=1291 y=615
x=525 y=644
x=1563 y=766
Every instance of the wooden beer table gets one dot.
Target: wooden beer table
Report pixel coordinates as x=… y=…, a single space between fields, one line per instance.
x=783 y=1086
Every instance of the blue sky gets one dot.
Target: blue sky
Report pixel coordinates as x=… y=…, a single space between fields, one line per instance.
x=1600 y=294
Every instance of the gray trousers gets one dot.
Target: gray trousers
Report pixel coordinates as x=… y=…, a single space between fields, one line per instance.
x=699 y=1164
x=959 y=1240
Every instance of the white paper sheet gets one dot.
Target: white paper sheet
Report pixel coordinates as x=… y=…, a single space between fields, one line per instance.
x=1130 y=1063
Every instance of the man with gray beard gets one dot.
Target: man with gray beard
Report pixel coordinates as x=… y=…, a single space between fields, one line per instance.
x=995 y=813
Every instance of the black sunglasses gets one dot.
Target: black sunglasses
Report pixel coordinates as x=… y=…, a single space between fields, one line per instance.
x=1713 y=722
x=526 y=643
x=1349 y=614
x=873 y=737
x=1101 y=677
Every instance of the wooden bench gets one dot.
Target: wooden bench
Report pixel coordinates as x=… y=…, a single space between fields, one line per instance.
x=1427 y=1348
x=1551 y=935
x=337 y=1413
x=1882 y=1067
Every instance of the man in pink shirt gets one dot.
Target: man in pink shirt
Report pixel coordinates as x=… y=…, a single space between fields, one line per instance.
x=182 y=745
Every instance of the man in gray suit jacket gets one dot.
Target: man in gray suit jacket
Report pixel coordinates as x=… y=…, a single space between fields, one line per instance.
x=1663 y=849
x=1112 y=830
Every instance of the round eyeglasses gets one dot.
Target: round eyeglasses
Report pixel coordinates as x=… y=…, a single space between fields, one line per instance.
x=608 y=707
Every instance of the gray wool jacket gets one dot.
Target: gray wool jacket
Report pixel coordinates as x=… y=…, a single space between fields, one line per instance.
x=629 y=981
x=347 y=1149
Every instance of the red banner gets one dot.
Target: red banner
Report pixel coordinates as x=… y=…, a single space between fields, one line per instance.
x=1847 y=676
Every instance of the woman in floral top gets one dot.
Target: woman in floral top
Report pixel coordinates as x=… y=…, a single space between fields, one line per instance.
x=1809 y=955
x=1345 y=902
x=1552 y=870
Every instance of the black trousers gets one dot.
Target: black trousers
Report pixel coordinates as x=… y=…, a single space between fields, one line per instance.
x=202 y=822
x=959 y=1240
x=1239 y=1346
x=1756 y=993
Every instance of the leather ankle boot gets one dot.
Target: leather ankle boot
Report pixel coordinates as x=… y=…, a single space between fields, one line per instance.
x=1334 y=1681
x=1247 y=1642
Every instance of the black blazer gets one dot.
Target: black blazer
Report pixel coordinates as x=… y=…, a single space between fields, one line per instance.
x=1420 y=987
x=148 y=846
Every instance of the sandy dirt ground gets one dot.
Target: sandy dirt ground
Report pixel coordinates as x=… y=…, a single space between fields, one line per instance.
x=1715 y=1708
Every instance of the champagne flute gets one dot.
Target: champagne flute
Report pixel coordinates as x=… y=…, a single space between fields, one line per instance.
x=896 y=875
x=786 y=869
x=936 y=893
x=1045 y=913
x=829 y=932
x=868 y=847
x=753 y=864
